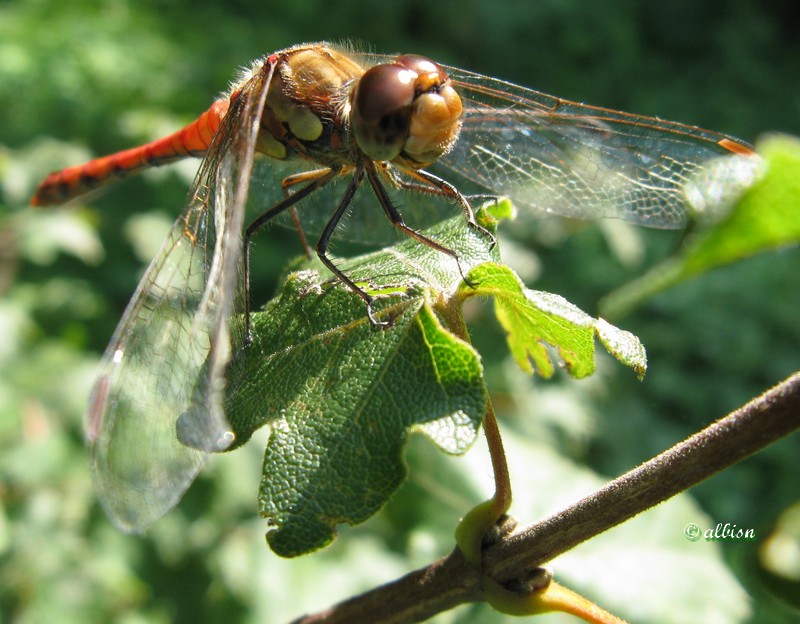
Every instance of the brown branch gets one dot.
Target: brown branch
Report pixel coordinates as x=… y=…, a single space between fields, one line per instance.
x=451 y=581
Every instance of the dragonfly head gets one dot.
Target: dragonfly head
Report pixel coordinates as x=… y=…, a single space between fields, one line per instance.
x=406 y=112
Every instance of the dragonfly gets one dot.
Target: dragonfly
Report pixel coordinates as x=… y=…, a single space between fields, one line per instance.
x=320 y=121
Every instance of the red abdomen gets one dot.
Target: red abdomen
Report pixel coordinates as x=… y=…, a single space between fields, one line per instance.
x=193 y=140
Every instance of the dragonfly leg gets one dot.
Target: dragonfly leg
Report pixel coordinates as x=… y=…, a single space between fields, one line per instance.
x=299 y=229
x=483 y=197
x=426 y=187
x=397 y=220
x=325 y=237
x=316 y=182
x=418 y=187
x=287 y=185
x=439 y=186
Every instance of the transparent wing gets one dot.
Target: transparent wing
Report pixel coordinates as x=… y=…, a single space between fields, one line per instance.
x=156 y=409
x=558 y=157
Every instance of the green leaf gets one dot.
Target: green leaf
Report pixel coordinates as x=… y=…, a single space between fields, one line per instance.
x=623 y=345
x=341 y=396
x=766 y=216
x=534 y=319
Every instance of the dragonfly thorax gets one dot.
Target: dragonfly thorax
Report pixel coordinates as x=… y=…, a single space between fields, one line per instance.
x=307 y=106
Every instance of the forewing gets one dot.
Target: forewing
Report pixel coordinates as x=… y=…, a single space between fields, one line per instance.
x=557 y=157
x=156 y=409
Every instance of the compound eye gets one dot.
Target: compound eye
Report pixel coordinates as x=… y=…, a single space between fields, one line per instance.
x=381 y=110
x=429 y=74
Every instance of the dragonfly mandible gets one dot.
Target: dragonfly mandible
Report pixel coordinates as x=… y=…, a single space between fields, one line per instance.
x=330 y=114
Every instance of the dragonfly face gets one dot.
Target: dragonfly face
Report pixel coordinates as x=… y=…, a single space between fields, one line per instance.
x=406 y=112
x=157 y=407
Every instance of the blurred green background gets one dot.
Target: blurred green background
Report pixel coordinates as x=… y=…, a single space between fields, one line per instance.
x=79 y=79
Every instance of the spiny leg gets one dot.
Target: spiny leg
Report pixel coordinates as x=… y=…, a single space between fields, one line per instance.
x=438 y=186
x=317 y=182
x=324 y=239
x=397 y=220
x=293 y=180
x=425 y=187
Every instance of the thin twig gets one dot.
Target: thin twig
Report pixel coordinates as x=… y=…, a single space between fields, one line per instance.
x=452 y=313
x=451 y=581
x=502 y=478
x=722 y=444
